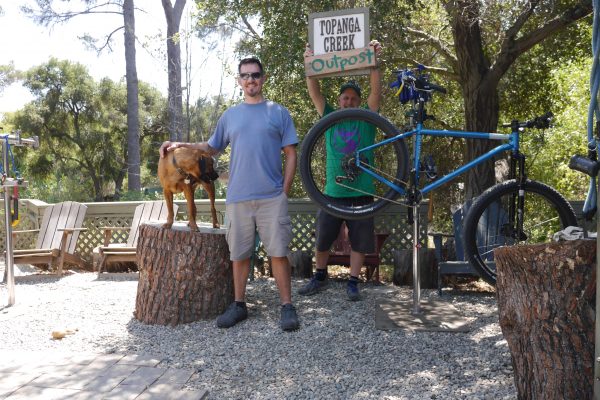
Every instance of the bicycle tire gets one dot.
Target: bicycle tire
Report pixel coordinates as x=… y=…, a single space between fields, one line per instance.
x=392 y=156
x=487 y=223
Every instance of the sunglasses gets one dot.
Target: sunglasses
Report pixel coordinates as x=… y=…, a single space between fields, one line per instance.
x=247 y=75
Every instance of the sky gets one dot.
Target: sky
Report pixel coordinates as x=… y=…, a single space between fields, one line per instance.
x=27 y=45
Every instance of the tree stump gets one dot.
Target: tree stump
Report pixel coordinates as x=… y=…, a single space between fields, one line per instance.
x=546 y=302
x=301 y=264
x=403 y=268
x=184 y=276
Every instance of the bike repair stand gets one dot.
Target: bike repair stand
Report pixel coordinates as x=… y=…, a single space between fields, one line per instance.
x=8 y=186
x=416 y=310
x=433 y=315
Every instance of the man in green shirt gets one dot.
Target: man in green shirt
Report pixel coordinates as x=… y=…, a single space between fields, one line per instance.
x=343 y=139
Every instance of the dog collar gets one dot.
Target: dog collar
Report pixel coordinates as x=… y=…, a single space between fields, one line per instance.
x=204 y=176
x=189 y=178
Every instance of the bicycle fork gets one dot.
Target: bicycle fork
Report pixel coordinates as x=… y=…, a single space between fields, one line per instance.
x=517 y=204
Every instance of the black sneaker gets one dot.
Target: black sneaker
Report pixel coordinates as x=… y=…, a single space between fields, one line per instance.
x=313 y=287
x=232 y=316
x=352 y=292
x=289 y=319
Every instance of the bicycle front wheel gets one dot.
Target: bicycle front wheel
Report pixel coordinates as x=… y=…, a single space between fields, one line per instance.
x=318 y=165
x=493 y=220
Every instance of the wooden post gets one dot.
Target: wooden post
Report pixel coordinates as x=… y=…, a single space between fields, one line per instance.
x=184 y=276
x=403 y=268
x=546 y=302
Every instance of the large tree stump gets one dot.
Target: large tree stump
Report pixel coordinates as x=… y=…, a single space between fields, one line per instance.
x=546 y=302
x=185 y=276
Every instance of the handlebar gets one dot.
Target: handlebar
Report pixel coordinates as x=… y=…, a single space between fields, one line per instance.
x=541 y=122
x=412 y=81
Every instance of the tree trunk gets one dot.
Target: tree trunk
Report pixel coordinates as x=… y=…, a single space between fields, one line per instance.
x=546 y=302
x=185 y=276
x=480 y=91
x=173 y=17
x=133 y=123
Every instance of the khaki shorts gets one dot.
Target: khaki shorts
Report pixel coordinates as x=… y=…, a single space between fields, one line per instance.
x=269 y=217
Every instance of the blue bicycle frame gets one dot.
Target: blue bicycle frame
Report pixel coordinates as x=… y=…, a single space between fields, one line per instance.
x=419 y=132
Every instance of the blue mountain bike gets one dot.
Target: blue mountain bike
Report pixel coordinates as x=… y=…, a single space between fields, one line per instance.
x=518 y=210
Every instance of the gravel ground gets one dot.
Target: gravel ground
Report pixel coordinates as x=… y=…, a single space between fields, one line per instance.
x=337 y=353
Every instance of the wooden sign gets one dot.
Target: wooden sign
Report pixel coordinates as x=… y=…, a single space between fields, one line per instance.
x=338 y=31
x=331 y=64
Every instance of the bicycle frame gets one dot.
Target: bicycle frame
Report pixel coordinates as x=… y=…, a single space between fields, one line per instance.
x=419 y=132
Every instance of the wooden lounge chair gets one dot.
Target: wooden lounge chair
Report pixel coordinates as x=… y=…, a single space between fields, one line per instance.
x=57 y=238
x=126 y=252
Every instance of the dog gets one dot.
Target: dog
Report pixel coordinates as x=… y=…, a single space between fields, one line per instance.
x=183 y=170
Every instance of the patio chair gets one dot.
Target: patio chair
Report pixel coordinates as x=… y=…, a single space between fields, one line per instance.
x=126 y=252
x=340 y=253
x=487 y=237
x=57 y=237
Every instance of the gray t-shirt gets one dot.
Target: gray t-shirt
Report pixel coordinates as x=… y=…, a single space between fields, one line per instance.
x=256 y=133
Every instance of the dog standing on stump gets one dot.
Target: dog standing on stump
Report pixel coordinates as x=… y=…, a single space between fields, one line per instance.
x=182 y=170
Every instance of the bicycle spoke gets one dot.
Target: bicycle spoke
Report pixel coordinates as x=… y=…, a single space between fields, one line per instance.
x=491 y=221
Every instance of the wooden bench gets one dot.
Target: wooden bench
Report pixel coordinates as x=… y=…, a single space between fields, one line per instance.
x=340 y=253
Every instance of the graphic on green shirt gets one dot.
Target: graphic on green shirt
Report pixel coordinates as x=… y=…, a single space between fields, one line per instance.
x=344 y=139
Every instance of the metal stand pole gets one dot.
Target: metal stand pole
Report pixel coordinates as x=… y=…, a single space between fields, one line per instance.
x=10 y=273
x=597 y=324
x=14 y=139
x=416 y=277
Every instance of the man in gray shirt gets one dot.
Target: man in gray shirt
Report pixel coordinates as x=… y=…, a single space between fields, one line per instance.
x=259 y=131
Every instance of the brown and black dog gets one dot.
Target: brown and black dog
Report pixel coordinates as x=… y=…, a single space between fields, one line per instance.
x=182 y=170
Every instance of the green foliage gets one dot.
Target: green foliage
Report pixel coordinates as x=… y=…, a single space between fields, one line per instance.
x=549 y=153
x=8 y=75
x=82 y=126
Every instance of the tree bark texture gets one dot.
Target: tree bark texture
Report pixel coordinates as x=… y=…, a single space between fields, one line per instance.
x=133 y=122
x=175 y=100
x=185 y=276
x=546 y=302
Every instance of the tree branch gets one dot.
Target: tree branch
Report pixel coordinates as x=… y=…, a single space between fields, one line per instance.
x=436 y=43
x=108 y=40
x=514 y=30
x=46 y=14
x=511 y=49
x=250 y=28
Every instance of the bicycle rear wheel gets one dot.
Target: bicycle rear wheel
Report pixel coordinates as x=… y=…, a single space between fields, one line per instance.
x=389 y=161
x=492 y=221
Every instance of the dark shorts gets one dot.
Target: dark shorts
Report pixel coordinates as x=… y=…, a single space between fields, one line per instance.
x=361 y=232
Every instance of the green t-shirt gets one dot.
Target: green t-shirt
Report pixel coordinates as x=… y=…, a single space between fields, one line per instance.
x=343 y=139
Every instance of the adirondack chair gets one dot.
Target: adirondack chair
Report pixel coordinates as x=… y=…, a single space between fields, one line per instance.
x=487 y=238
x=340 y=253
x=126 y=252
x=57 y=238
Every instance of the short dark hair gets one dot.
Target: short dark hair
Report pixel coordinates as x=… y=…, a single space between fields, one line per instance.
x=251 y=60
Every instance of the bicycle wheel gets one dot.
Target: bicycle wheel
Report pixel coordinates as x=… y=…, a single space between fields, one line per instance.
x=492 y=222
x=389 y=161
